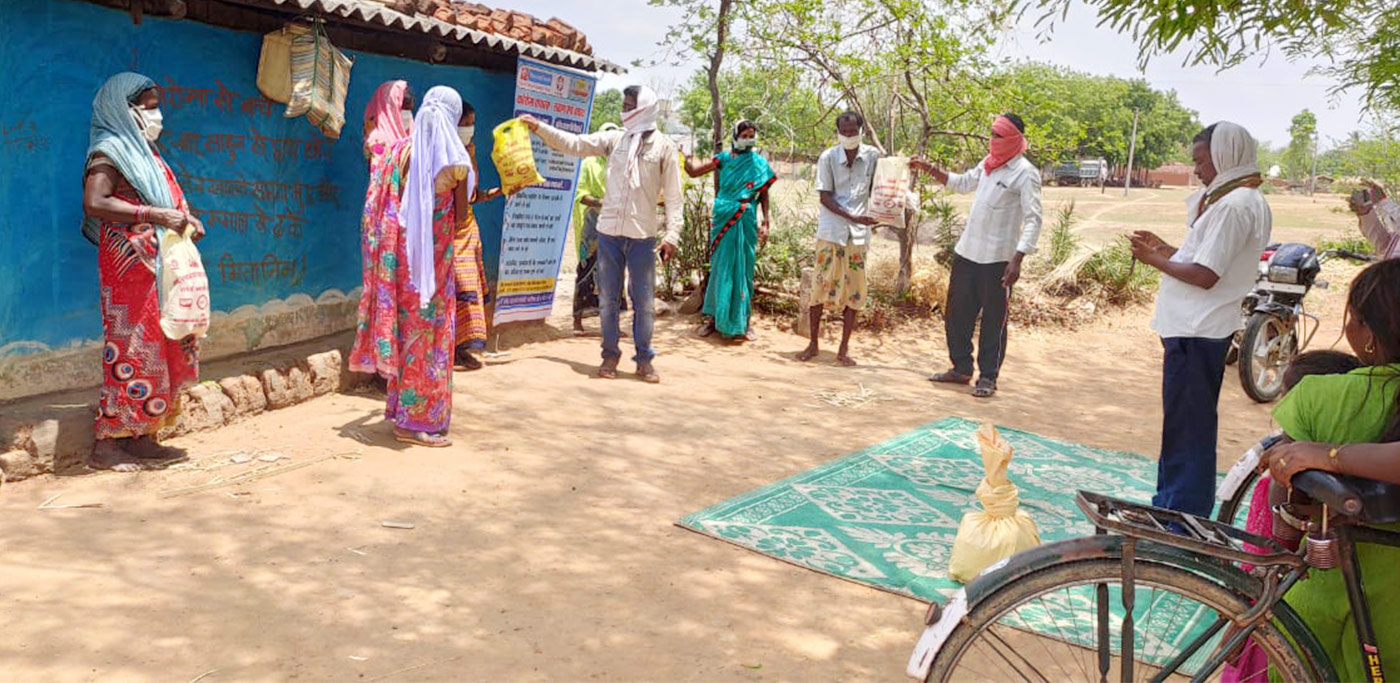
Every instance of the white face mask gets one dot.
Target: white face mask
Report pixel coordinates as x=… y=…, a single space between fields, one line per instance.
x=849 y=142
x=406 y=117
x=465 y=132
x=150 y=121
x=745 y=143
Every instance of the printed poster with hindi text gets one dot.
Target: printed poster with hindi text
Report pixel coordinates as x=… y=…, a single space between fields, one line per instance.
x=536 y=221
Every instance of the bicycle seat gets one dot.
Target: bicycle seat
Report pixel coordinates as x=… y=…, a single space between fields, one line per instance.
x=1368 y=501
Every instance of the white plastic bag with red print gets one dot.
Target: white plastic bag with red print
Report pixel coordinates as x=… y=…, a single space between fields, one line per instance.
x=184 y=287
x=890 y=192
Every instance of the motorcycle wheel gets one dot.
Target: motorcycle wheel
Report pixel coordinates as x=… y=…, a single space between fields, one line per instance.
x=1267 y=347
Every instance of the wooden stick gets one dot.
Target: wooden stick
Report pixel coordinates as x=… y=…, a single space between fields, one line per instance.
x=415 y=668
x=252 y=475
x=202 y=676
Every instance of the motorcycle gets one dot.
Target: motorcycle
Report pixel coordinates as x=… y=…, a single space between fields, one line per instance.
x=1275 y=319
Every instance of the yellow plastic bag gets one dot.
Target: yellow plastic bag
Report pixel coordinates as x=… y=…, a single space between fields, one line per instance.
x=513 y=156
x=1000 y=529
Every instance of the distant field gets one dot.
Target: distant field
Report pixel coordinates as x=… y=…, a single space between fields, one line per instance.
x=1103 y=216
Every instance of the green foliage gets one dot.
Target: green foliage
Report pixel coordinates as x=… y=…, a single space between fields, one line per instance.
x=1359 y=39
x=1063 y=240
x=1374 y=154
x=607 y=108
x=692 y=253
x=1072 y=114
x=1121 y=277
x=947 y=228
x=789 y=249
x=791 y=118
x=1298 y=158
x=1349 y=241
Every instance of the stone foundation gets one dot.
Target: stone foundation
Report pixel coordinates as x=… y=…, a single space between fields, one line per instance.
x=54 y=434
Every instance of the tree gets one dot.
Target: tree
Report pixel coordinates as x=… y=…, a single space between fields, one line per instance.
x=1298 y=158
x=793 y=122
x=882 y=58
x=1360 y=39
x=1073 y=114
x=707 y=31
x=607 y=107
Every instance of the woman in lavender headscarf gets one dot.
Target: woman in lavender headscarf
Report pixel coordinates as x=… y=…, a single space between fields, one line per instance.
x=420 y=391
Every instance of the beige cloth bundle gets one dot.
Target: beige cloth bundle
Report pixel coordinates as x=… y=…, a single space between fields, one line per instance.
x=1000 y=529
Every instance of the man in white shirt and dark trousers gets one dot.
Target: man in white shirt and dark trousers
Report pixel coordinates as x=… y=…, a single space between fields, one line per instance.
x=642 y=165
x=1198 y=307
x=1002 y=227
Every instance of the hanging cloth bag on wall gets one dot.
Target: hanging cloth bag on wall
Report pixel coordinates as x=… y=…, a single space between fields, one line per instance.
x=320 y=79
x=184 y=287
x=275 y=66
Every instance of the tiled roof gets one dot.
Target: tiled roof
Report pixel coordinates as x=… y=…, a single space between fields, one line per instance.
x=373 y=12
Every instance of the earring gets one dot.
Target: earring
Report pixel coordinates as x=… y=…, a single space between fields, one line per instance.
x=1371 y=346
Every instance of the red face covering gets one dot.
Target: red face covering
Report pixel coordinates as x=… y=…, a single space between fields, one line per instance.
x=1004 y=148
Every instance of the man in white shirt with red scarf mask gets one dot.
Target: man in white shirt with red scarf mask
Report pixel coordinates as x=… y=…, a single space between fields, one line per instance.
x=1002 y=227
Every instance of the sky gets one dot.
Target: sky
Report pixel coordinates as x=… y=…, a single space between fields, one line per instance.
x=1263 y=95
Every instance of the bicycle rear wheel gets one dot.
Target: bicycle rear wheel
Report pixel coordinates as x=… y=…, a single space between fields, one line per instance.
x=1065 y=623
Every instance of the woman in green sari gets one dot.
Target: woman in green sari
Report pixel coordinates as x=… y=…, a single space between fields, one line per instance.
x=735 y=232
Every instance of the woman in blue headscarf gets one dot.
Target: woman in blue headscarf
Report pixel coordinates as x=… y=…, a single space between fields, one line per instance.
x=129 y=192
x=420 y=389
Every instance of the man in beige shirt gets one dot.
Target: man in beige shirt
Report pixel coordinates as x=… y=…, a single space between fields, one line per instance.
x=642 y=165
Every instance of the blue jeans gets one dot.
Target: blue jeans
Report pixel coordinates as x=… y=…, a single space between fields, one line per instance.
x=634 y=260
x=1192 y=372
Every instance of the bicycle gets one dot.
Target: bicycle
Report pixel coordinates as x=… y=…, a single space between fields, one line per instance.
x=1238 y=484
x=1166 y=587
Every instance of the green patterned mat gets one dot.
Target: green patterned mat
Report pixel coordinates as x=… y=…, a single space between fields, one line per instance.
x=886 y=516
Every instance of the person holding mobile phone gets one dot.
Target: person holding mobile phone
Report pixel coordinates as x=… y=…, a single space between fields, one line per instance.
x=1379 y=219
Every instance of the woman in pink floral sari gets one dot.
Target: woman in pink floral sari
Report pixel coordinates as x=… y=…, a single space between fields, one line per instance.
x=388 y=121
x=420 y=390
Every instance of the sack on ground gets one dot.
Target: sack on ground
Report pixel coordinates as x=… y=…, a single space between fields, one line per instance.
x=320 y=76
x=1000 y=529
x=184 y=287
x=514 y=157
x=890 y=192
x=275 y=66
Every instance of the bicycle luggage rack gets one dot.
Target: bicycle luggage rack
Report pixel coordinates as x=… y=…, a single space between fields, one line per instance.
x=1177 y=529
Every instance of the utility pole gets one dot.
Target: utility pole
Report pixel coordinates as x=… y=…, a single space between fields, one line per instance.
x=1132 y=149
x=1312 y=180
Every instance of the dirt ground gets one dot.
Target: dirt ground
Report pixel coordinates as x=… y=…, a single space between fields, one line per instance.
x=543 y=544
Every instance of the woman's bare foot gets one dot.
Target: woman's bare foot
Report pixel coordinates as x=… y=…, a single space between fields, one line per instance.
x=147 y=448
x=578 y=327
x=111 y=455
x=422 y=438
x=749 y=335
x=808 y=353
x=464 y=360
x=706 y=329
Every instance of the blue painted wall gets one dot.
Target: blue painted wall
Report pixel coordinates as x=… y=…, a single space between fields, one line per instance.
x=278 y=189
